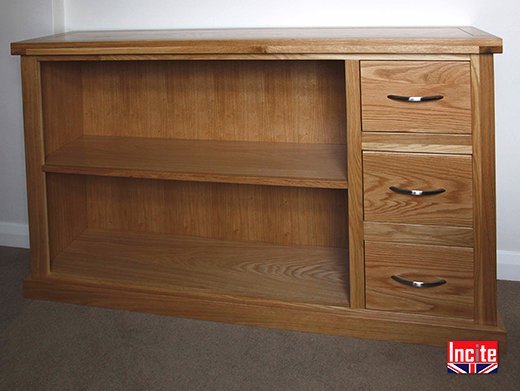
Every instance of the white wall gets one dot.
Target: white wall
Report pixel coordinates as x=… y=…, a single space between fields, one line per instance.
x=58 y=16
x=497 y=17
x=21 y=19
x=153 y=14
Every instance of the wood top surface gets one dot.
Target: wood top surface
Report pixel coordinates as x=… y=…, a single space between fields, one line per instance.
x=432 y=40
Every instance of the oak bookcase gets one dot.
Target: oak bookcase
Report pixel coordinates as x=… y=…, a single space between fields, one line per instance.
x=263 y=177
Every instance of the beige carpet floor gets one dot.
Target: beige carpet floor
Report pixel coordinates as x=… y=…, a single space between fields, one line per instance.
x=55 y=346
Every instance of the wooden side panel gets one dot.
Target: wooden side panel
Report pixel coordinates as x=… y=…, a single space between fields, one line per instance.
x=275 y=101
x=417 y=142
x=419 y=234
x=420 y=263
x=484 y=189
x=355 y=180
x=67 y=210
x=452 y=114
x=62 y=101
x=285 y=215
x=34 y=158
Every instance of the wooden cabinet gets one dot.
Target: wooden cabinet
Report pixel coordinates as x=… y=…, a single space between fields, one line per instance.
x=320 y=180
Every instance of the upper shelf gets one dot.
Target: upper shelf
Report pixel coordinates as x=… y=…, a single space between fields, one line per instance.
x=430 y=40
x=246 y=162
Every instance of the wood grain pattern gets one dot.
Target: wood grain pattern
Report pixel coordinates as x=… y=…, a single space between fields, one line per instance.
x=419 y=234
x=285 y=215
x=272 y=56
x=274 y=256
x=420 y=263
x=385 y=325
x=500 y=326
x=67 y=210
x=309 y=165
x=316 y=275
x=62 y=102
x=417 y=142
x=34 y=157
x=452 y=114
x=453 y=173
x=484 y=197
x=273 y=101
x=307 y=40
x=195 y=177
x=355 y=194
x=359 y=46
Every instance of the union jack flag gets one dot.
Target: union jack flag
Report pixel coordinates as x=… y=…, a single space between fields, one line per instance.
x=472 y=368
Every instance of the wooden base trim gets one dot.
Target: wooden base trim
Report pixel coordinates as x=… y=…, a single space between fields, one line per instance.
x=330 y=320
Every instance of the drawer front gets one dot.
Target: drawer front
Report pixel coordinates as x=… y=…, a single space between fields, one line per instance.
x=453 y=173
x=420 y=264
x=451 y=79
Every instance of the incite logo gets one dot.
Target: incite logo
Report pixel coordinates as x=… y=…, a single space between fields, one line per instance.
x=472 y=357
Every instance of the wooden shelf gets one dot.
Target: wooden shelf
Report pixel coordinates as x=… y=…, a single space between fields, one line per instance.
x=295 y=274
x=262 y=163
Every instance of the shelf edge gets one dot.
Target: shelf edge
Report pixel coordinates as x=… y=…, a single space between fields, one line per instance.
x=196 y=177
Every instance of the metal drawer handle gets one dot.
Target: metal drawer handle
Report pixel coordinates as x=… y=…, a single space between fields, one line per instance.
x=418 y=284
x=415 y=98
x=416 y=192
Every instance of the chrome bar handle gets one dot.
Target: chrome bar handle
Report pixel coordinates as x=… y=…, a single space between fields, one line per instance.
x=416 y=192
x=418 y=284
x=415 y=98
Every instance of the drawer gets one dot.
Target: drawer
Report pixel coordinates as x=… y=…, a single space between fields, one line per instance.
x=415 y=171
x=420 y=264
x=450 y=79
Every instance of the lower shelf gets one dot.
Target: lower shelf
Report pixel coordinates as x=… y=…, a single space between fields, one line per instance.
x=299 y=288
x=294 y=274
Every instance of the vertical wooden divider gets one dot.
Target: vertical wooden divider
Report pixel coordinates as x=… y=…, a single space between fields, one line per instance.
x=34 y=150
x=484 y=203
x=355 y=185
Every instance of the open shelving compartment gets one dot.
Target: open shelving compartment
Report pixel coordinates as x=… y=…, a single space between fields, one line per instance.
x=224 y=177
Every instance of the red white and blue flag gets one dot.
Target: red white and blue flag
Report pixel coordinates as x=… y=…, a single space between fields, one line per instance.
x=472 y=357
x=472 y=368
